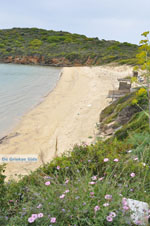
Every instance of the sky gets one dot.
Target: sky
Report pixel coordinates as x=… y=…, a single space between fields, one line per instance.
x=121 y=20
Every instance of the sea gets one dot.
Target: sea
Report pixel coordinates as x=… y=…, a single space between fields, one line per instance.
x=22 y=87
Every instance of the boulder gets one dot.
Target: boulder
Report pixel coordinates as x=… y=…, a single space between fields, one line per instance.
x=139 y=211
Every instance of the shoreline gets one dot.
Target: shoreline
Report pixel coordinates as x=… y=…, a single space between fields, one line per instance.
x=11 y=128
x=67 y=114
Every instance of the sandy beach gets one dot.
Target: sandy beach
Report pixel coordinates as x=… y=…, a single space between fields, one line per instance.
x=69 y=114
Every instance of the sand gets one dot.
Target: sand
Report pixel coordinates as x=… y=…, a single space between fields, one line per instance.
x=69 y=114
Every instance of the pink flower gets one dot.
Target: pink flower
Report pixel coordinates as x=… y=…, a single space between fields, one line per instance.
x=106 y=204
x=58 y=167
x=94 y=178
x=62 y=196
x=112 y=214
x=31 y=219
x=126 y=207
x=35 y=216
x=66 y=182
x=39 y=206
x=108 y=197
x=136 y=159
x=124 y=202
x=96 y=208
x=92 y=182
x=138 y=222
x=40 y=215
x=132 y=174
x=101 y=178
x=91 y=193
x=109 y=218
x=116 y=160
x=47 y=183
x=106 y=160
x=66 y=191
x=53 y=219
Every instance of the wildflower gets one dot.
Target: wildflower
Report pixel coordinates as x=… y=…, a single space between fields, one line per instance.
x=31 y=219
x=91 y=193
x=106 y=204
x=35 y=216
x=116 y=160
x=144 y=164
x=92 y=182
x=53 y=219
x=108 y=197
x=63 y=210
x=136 y=159
x=77 y=197
x=112 y=214
x=62 y=196
x=132 y=174
x=126 y=207
x=124 y=201
x=66 y=182
x=47 y=183
x=58 y=167
x=89 y=160
x=106 y=160
x=40 y=215
x=138 y=222
x=66 y=191
x=39 y=206
x=94 y=178
x=84 y=203
x=96 y=208
x=109 y=218
x=101 y=178
x=129 y=151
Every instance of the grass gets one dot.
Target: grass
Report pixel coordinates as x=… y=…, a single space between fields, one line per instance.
x=73 y=188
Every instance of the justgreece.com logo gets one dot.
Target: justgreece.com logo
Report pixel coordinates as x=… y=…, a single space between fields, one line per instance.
x=18 y=158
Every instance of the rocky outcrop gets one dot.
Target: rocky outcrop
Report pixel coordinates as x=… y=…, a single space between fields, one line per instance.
x=56 y=61
x=119 y=113
x=23 y=60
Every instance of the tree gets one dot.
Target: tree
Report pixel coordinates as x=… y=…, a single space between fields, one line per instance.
x=143 y=59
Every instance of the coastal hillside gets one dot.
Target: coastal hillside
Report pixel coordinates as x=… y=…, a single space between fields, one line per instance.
x=91 y=184
x=59 y=48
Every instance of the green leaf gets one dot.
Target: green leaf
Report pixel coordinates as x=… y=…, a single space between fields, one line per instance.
x=145 y=34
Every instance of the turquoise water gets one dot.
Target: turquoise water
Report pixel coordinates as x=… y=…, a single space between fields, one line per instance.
x=21 y=88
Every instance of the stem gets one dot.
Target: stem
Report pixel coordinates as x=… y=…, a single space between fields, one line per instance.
x=148 y=93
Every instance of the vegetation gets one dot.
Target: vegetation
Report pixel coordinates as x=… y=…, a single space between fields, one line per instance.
x=144 y=61
x=87 y=186
x=70 y=48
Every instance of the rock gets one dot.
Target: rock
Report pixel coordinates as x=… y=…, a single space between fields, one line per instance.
x=139 y=215
x=109 y=131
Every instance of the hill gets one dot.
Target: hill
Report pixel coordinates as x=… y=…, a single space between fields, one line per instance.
x=58 y=48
